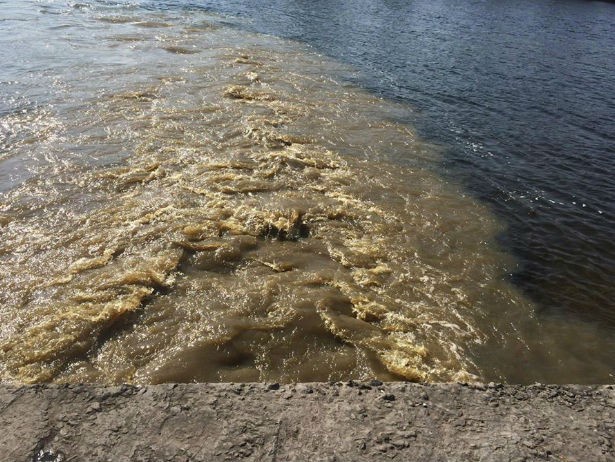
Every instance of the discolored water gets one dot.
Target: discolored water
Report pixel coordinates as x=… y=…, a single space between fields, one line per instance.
x=185 y=200
x=522 y=95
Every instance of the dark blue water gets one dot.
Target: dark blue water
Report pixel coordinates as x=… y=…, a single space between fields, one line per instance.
x=522 y=96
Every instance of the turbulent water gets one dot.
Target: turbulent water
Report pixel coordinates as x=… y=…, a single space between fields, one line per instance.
x=521 y=94
x=184 y=200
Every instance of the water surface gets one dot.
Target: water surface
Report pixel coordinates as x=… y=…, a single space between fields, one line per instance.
x=185 y=198
x=521 y=94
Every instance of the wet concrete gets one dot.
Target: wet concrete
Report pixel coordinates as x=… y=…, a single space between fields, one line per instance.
x=337 y=421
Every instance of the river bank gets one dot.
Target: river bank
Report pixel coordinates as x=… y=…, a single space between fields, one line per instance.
x=185 y=200
x=317 y=421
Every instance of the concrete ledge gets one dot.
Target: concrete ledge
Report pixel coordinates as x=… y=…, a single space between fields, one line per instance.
x=307 y=422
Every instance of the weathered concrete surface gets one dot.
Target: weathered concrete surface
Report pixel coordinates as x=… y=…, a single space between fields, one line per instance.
x=342 y=422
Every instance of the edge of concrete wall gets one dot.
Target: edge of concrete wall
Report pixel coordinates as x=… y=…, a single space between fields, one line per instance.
x=347 y=421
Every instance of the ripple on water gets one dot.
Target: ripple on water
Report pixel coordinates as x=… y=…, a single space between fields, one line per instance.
x=256 y=227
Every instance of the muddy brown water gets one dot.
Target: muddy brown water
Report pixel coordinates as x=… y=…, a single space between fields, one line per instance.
x=199 y=203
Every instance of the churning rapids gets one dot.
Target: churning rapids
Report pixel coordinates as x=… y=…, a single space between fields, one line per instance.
x=185 y=201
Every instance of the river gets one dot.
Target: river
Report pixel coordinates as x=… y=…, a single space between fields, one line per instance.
x=211 y=191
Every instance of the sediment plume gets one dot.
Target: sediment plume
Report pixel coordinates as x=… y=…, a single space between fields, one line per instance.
x=257 y=228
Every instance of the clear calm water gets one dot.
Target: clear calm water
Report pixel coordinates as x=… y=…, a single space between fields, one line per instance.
x=307 y=191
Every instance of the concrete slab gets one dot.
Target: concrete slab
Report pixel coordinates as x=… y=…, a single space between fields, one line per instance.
x=312 y=422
